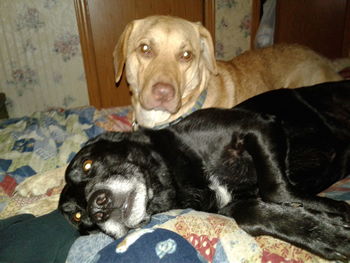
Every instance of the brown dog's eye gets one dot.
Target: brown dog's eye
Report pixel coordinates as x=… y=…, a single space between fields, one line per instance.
x=145 y=49
x=87 y=165
x=186 y=56
x=77 y=217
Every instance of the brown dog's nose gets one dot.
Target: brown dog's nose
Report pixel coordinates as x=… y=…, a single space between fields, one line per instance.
x=163 y=91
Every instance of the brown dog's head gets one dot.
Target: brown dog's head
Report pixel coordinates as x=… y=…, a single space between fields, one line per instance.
x=166 y=60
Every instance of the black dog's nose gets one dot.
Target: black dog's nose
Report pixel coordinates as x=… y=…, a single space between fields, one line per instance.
x=100 y=205
x=102 y=198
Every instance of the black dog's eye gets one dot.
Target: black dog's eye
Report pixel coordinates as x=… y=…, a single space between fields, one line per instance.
x=77 y=217
x=87 y=164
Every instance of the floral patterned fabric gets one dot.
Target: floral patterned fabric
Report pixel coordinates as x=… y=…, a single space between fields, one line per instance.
x=41 y=62
x=232 y=28
x=187 y=236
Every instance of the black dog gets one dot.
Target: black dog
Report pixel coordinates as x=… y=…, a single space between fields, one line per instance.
x=261 y=163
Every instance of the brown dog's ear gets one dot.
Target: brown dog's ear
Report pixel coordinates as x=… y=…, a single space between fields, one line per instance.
x=120 y=51
x=208 y=52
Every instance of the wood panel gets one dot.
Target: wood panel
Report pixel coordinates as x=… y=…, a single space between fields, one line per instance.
x=346 y=41
x=101 y=23
x=322 y=25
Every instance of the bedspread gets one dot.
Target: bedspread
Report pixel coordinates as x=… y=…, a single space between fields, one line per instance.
x=46 y=141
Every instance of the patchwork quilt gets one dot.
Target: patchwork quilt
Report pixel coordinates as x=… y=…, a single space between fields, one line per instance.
x=45 y=142
x=48 y=140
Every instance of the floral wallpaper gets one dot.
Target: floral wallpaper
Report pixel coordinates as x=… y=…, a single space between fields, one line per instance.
x=40 y=58
x=232 y=31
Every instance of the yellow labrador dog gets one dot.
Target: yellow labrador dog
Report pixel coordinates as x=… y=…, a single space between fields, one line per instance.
x=171 y=69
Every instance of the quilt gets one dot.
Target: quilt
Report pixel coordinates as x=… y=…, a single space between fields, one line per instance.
x=47 y=140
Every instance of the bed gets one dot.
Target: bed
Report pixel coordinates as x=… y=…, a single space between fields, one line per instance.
x=45 y=142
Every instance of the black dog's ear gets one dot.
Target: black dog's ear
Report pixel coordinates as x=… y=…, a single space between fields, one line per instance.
x=139 y=136
x=108 y=136
x=158 y=167
x=72 y=205
x=138 y=153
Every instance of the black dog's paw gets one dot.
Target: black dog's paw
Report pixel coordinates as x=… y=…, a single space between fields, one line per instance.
x=338 y=247
x=346 y=215
x=324 y=234
x=342 y=216
x=338 y=253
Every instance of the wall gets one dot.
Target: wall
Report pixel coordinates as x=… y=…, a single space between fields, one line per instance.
x=232 y=30
x=40 y=59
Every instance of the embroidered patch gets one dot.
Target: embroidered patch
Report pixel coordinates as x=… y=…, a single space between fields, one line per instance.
x=166 y=247
x=131 y=239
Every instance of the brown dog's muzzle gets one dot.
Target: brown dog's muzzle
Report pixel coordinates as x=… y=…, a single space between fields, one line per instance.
x=160 y=89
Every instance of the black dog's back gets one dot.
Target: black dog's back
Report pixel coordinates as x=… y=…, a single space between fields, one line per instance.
x=315 y=120
x=330 y=101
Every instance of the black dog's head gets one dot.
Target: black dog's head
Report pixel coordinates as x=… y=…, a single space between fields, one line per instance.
x=108 y=184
